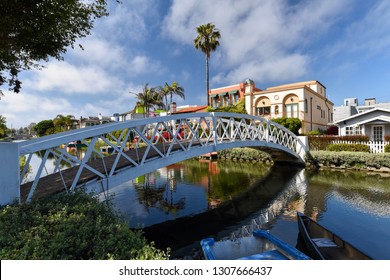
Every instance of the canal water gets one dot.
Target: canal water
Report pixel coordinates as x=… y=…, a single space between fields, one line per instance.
x=179 y=205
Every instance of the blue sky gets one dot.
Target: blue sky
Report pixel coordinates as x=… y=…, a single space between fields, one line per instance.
x=344 y=44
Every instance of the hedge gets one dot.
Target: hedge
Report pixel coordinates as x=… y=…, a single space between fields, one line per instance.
x=348 y=148
x=387 y=148
x=244 y=154
x=320 y=143
x=74 y=226
x=356 y=160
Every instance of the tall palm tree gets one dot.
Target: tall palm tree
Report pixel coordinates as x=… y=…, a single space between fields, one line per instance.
x=148 y=98
x=207 y=41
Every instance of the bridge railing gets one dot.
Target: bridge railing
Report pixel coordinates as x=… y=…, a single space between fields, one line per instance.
x=99 y=152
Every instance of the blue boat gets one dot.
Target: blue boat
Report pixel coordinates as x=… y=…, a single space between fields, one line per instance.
x=260 y=246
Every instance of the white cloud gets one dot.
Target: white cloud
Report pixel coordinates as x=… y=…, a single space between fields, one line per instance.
x=285 y=68
x=256 y=34
x=71 y=79
x=99 y=52
x=25 y=108
x=142 y=64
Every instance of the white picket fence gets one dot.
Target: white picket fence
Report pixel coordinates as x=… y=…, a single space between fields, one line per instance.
x=375 y=146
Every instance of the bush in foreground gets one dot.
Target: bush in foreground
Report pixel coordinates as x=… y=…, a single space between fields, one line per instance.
x=70 y=226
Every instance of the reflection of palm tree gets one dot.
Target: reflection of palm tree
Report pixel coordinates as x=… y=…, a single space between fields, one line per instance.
x=147 y=193
x=158 y=196
x=168 y=203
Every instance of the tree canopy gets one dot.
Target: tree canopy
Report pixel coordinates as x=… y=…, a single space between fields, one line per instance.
x=34 y=31
x=3 y=126
x=44 y=127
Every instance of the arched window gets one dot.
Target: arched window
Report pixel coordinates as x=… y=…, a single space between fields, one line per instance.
x=291 y=106
x=263 y=107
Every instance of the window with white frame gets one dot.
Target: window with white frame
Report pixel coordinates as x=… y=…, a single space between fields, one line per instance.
x=353 y=130
x=292 y=110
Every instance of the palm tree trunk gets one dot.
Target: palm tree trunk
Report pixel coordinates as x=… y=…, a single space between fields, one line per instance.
x=207 y=80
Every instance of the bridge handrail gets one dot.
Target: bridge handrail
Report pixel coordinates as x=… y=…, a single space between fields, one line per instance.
x=49 y=141
x=142 y=145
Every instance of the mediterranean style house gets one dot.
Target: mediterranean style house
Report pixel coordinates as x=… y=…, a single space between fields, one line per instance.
x=305 y=100
x=226 y=96
x=375 y=123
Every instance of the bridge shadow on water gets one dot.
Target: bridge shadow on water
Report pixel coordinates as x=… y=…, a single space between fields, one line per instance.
x=186 y=232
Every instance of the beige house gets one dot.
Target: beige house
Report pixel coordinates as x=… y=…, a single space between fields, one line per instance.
x=305 y=100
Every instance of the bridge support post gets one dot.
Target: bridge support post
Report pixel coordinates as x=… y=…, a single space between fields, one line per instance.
x=10 y=173
x=302 y=146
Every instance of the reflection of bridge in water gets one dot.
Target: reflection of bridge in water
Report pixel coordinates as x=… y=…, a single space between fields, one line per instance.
x=236 y=217
x=140 y=147
x=297 y=189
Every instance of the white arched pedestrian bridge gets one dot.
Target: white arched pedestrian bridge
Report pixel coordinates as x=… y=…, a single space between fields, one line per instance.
x=110 y=154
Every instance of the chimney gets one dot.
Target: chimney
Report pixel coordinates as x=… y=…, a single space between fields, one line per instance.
x=173 y=107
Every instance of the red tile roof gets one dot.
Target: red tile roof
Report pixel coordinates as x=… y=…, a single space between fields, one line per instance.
x=194 y=109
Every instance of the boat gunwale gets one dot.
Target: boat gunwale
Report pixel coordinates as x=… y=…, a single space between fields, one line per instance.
x=338 y=241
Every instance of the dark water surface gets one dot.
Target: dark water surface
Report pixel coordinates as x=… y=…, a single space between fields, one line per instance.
x=181 y=204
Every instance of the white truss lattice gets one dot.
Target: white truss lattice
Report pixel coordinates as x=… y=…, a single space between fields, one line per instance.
x=101 y=152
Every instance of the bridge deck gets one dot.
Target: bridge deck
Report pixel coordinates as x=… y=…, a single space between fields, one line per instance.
x=53 y=183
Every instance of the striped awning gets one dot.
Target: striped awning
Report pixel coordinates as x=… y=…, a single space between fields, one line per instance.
x=232 y=92
x=223 y=93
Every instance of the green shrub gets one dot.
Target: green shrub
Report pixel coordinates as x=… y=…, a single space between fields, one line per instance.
x=321 y=142
x=315 y=132
x=350 y=159
x=348 y=148
x=292 y=124
x=244 y=154
x=70 y=226
x=387 y=148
